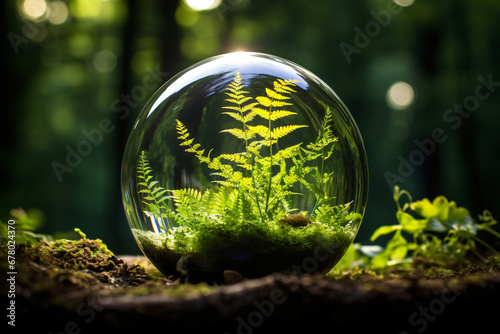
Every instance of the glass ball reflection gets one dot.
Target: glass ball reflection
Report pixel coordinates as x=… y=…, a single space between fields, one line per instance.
x=244 y=162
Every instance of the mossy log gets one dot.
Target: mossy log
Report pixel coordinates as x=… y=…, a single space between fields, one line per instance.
x=81 y=288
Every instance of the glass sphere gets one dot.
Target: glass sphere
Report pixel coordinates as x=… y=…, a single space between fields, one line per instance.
x=244 y=162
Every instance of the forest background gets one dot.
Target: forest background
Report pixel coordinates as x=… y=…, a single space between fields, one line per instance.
x=421 y=78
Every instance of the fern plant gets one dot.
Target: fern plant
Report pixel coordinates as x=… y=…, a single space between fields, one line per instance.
x=154 y=198
x=254 y=187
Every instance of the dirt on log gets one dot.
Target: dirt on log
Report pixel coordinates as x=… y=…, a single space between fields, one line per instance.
x=81 y=287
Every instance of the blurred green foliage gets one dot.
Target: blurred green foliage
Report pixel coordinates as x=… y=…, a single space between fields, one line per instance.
x=81 y=70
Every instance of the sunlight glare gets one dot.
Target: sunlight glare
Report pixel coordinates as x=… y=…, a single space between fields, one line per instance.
x=202 y=4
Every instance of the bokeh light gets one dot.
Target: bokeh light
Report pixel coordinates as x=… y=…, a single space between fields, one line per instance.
x=34 y=9
x=57 y=12
x=203 y=4
x=404 y=3
x=400 y=95
x=105 y=61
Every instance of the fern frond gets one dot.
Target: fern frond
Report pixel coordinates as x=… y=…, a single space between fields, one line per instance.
x=285 y=84
x=237 y=95
x=153 y=197
x=240 y=134
x=234 y=115
x=249 y=107
x=247 y=212
x=206 y=199
x=282 y=131
x=325 y=137
x=275 y=99
x=233 y=179
x=240 y=116
x=272 y=115
x=288 y=153
x=260 y=130
x=184 y=135
x=186 y=196
x=235 y=157
x=233 y=203
x=187 y=202
x=230 y=177
x=276 y=96
x=271 y=137
x=264 y=100
x=187 y=142
x=219 y=200
x=282 y=86
x=269 y=102
x=334 y=216
x=181 y=130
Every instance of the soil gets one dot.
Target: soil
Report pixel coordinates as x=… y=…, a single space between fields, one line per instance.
x=82 y=287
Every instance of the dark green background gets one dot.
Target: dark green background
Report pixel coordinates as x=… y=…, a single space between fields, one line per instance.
x=63 y=79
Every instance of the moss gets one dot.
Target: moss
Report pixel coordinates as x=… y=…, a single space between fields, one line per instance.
x=252 y=249
x=493 y=262
x=76 y=254
x=66 y=265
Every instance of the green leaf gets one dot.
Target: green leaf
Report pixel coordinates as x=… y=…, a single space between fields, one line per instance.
x=435 y=225
x=383 y=230
x=398 y=247
x=424 y=208
x=410 y=224
x=380 y=261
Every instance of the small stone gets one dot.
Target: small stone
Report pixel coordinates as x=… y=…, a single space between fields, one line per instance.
x=297 y=220
x=232 y=277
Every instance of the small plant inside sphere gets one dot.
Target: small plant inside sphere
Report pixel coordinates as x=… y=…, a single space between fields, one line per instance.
x=244 y=162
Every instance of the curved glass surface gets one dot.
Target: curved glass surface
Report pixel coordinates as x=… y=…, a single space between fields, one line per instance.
x=244 y=162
